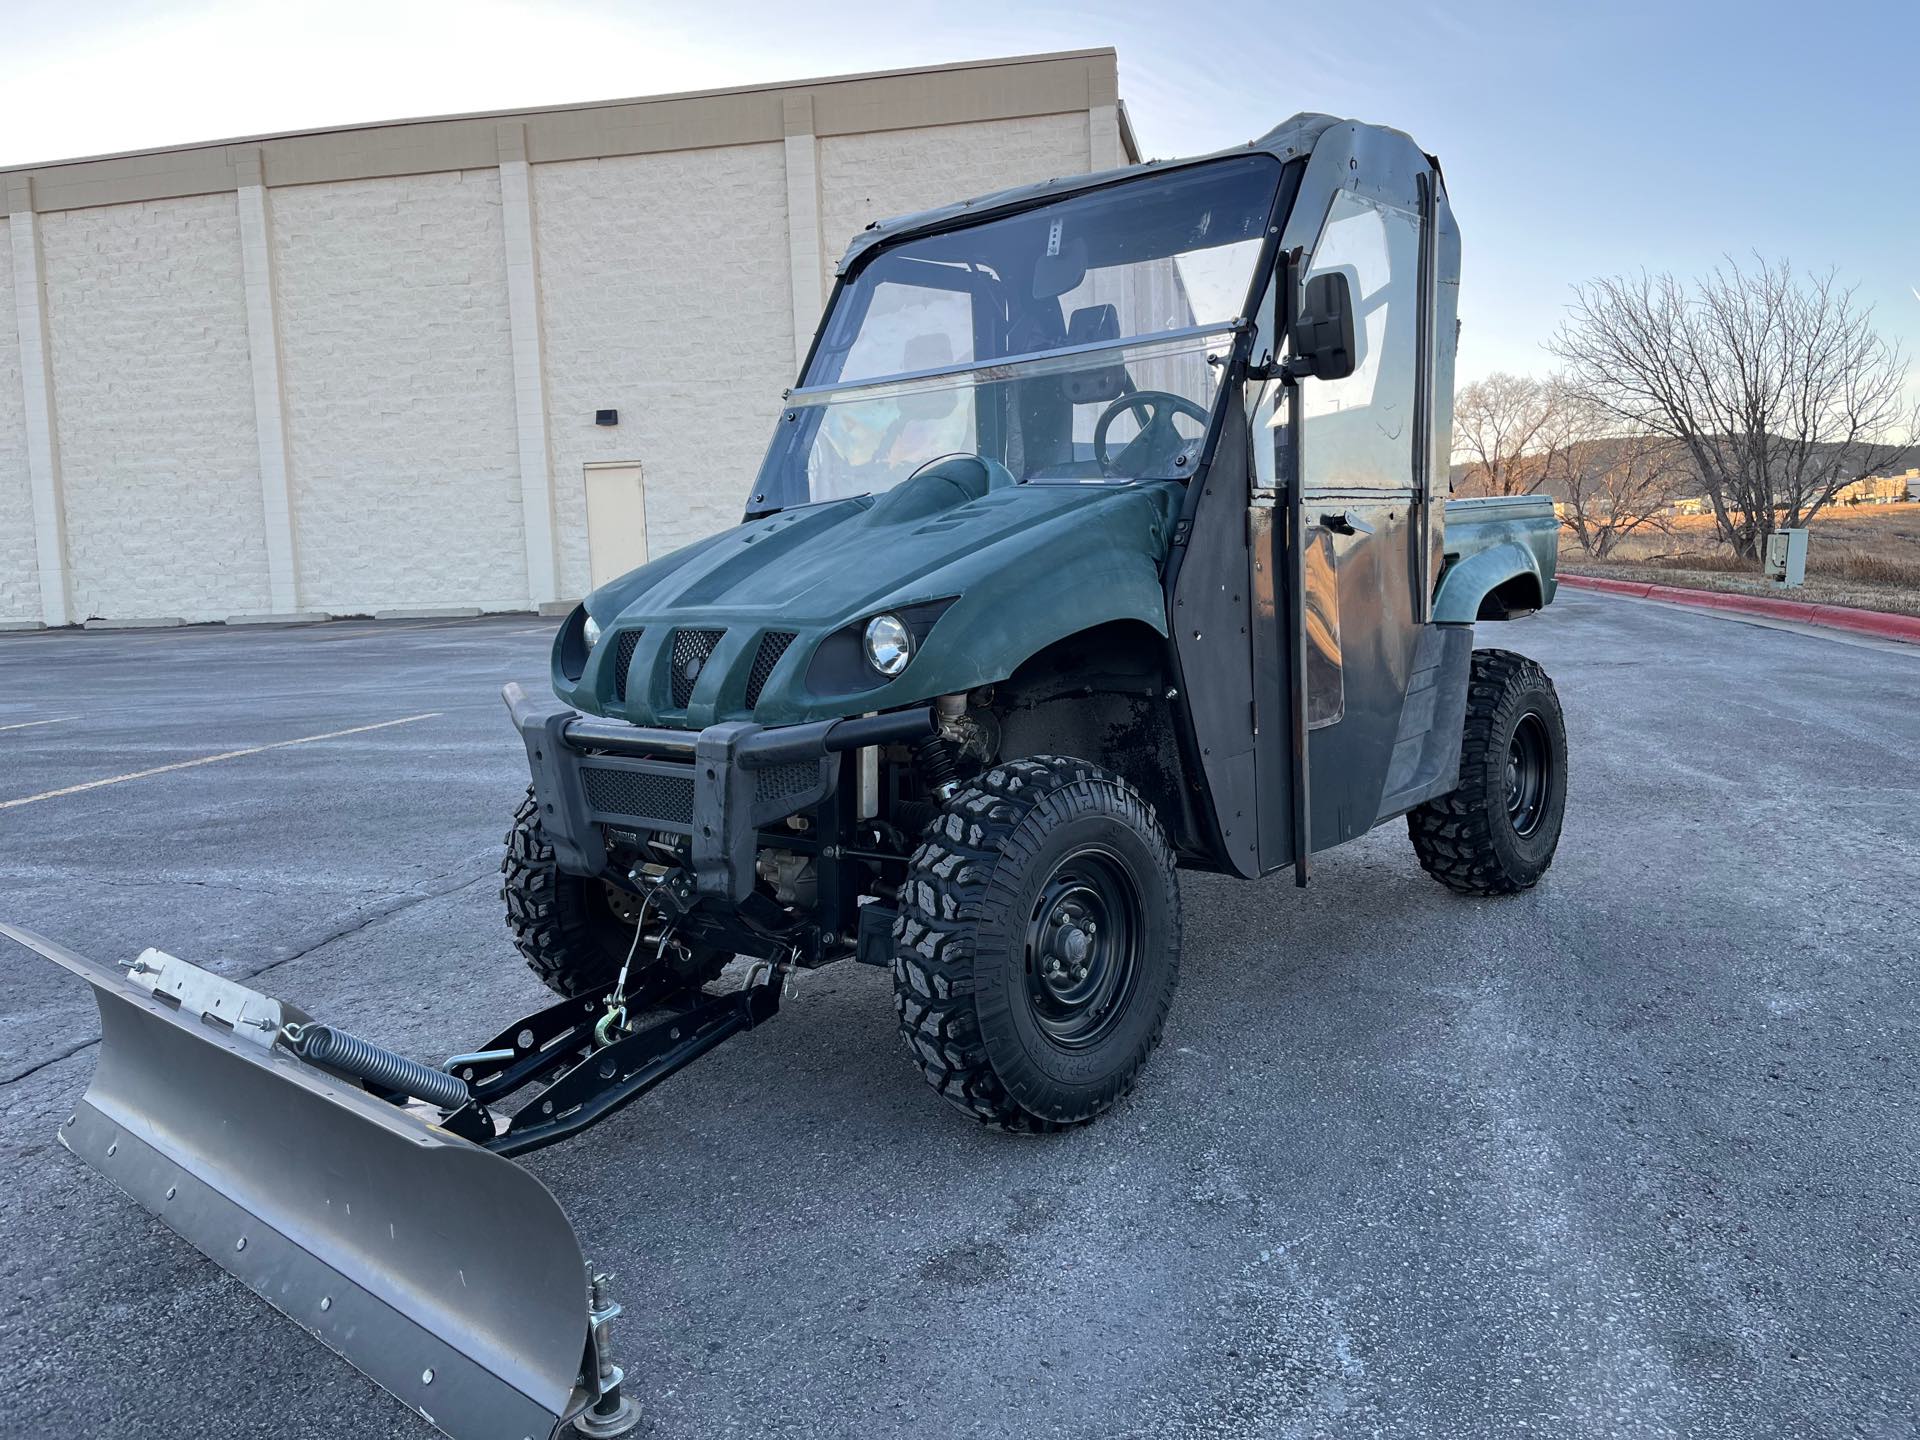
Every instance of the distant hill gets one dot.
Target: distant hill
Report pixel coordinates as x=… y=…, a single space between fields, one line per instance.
x=1598 y=454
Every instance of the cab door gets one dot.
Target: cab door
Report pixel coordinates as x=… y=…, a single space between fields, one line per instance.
x=1361 y=512
x=1360 y=452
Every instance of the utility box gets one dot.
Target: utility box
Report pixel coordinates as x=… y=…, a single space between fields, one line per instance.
x=1787 y=557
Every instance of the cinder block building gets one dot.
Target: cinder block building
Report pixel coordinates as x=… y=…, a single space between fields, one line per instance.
x=466 y=363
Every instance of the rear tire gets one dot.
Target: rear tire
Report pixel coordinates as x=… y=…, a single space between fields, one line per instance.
x=1496 y=832
x=1038 y=943
x=571 y=929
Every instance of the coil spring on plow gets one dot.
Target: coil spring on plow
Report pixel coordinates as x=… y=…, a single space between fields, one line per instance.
x=347 y=1053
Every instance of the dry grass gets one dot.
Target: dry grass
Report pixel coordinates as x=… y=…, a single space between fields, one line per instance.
x=1866 y=556
x=1892 y=570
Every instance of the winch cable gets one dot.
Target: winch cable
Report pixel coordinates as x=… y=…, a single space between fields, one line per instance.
x=616 y=1015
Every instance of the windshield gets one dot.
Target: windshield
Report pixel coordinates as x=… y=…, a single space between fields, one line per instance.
x=1078 y=342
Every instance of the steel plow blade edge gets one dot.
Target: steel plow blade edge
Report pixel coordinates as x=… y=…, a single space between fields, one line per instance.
x=449 y=1276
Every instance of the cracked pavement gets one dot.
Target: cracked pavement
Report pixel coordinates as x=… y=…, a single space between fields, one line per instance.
x=1631 y=1154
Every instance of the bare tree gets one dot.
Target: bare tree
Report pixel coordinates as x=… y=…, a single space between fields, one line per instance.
x=1616 y=484
x=1510 y=431
x=1778 y=390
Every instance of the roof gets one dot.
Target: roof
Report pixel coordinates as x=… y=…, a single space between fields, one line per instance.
x=1289 y=140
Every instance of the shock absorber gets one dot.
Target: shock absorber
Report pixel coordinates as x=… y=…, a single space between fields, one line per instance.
x=933 y=758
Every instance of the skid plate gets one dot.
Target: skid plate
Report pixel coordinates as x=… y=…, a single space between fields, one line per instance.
x=448 y=1275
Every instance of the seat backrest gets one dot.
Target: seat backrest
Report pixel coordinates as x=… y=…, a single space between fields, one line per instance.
x=1089 y=325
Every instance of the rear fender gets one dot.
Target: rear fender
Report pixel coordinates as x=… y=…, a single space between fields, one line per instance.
x=1492 y=584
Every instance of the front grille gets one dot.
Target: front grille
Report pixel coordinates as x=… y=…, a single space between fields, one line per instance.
x=622 y=660
x=691 y=651
x=773 y=645
x=780 y=782
x=639 y=794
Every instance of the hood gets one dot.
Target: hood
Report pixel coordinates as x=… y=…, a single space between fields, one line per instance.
x=765 y=620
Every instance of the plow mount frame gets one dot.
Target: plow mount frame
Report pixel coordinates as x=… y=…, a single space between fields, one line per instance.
x=395 y=1232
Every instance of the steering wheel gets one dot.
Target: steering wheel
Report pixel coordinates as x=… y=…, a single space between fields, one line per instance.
x=1161 y=406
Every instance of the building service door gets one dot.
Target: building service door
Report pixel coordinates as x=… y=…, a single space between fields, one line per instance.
x=616 y=520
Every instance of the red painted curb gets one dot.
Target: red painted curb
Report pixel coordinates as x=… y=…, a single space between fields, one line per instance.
x=1882 y=623
x=1870 y=622
x=1636 y=588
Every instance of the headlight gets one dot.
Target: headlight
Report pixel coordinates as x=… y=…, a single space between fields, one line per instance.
x=592 y=631
x=889 y=644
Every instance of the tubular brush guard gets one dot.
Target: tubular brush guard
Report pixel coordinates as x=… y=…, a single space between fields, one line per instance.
x=393 y=1232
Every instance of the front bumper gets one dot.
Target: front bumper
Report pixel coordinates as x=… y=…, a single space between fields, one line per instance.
x=716 y=786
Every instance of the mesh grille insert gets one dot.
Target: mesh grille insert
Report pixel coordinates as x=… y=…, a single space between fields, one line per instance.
x=773 y=645
x=784 y=782
x=639 y=794
x=691 y=650
x=622 y=659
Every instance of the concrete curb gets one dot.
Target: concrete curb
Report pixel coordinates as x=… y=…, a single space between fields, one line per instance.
x=291 y=617
x=1880 y=623
x=134 y=622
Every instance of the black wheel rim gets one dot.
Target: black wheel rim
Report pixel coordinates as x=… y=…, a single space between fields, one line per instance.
x=1083 y=948
x=1529 y=774
x=622 y=904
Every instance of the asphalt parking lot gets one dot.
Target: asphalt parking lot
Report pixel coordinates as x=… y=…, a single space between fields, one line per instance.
x=1637 y=1153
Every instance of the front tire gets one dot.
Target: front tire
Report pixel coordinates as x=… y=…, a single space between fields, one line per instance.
x=575 y=930
x=1038 y=944
x=1496 y=832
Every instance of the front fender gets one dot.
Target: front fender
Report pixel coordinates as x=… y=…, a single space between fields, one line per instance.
x=1467 y=583
x=985 y=642
x=1088 y=565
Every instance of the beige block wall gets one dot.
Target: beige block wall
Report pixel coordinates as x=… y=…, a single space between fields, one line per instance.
x=876 y=176
x=665 y=292
x=398 y=373
x=666 y=295
x=19 y=565
x=154 y=410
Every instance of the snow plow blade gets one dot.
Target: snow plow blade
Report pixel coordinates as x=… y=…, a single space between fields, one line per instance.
x=445 y=1273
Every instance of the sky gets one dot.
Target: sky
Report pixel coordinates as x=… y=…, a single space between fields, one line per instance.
x=1578 y=139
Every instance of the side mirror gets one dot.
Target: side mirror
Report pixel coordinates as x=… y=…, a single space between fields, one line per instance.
x=1321 y=337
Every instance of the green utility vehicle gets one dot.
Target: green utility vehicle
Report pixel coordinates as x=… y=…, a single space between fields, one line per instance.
x=1101 y=538
x=1105 y=535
